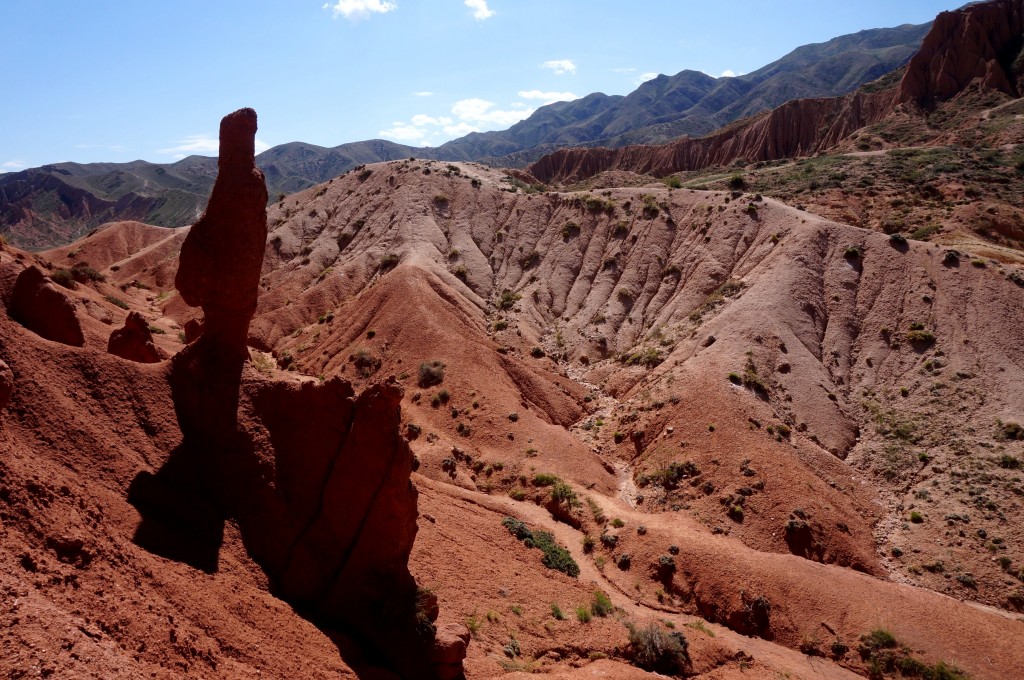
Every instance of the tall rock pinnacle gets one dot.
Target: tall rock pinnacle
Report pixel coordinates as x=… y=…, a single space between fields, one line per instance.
x=221 y=259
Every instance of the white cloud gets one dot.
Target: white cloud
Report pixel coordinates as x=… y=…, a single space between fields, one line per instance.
x=404 y=133
x=560 y=66
x=468 y=115
x=13 y=165
x=624 y=70
x=193 y=144
x=460 y=129
x=203 y=145
x=423 y=94
x=480 y=9
x=728 y=73
x=548 y=97
x=644 y=77
x=354 y=10
x=476 y=110
x=422 y=120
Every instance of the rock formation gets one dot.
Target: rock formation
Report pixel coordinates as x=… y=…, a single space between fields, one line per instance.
x=317 y=478
x=6 y=384
x=134 y=341
x=974 y=42
x=797 y=128
x=41 y=307
x=219 y=267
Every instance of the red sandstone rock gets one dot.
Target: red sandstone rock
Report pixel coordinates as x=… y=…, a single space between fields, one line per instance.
x=451 y=643
x=134 y=341
x=317 y=478
x=193 y=329
x=42 y=308
x=6 y=384
x=964 y=45
x=219 y=267
x=797 y=128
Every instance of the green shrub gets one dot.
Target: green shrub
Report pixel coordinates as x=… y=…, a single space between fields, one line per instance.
x=618 y=523
x=673 y=182
x=507 y=299
x=545 y=479
x=63 y=277
x=517 y=528
x=530 y=260
x=389 y=261
x=583 y=614
x=366 y=364
x=118 y=302
x=601 y=605
x=916 y=517
x=557 y=612
x=563 y=494
x=431 y=373
x=655 y=649
x=555 y=556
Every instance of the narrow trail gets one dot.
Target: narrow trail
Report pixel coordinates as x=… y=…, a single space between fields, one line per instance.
x=787 y=662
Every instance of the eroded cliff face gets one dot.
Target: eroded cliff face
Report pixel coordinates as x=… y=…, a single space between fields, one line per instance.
x=317 y=478
x=976 y=42
x=797 y=128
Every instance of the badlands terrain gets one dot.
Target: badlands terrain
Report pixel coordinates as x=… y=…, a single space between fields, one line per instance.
x=749 y=405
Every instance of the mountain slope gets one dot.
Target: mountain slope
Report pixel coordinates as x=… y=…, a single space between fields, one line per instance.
x=693 y=103
x=53 y=204
x=732 y=386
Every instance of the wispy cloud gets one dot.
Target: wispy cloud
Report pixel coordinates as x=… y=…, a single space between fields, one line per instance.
x=560 y=66
x=201 y=144
x=355 y=10
x=13 y=165
x=404 y=132
x=204 y=145
x=480 y=9
x=467 y=115
x=624 y=70
x=476 y=110
x=548 y=97
x=729 y=73
x=423 y=94
x=644 y=77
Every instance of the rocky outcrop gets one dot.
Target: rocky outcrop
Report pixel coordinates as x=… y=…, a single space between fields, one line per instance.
x=975 y=42
x=316 y=477
x=978 y=42
x=798 y=128
x=220 y=263
x=6 y=384
x=134 y=341
x=449 y=651
x=38 y=305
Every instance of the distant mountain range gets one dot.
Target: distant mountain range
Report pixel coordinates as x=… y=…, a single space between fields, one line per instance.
x=54 y=204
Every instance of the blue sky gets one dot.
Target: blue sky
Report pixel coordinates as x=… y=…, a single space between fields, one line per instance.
x=118 y=80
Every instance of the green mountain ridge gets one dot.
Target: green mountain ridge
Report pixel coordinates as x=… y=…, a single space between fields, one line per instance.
x=54 y=204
